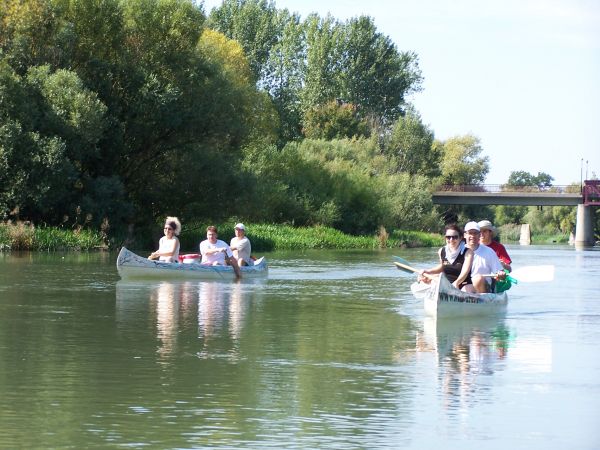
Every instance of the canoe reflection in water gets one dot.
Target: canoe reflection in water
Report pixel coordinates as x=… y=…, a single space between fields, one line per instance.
x=221 y=307
x=465 y=349
x=209 y=314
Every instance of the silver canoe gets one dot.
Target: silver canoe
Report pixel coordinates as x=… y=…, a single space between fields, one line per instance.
x=132 y=266
x=444 y=300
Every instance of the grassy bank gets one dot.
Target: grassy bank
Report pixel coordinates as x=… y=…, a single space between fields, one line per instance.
x=270 y=237
x=24 y=236
x=264 y=237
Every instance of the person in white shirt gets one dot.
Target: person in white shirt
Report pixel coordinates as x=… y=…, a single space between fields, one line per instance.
x=216 y=252
x=168 y=246
x=241 y=247
x=485 y=261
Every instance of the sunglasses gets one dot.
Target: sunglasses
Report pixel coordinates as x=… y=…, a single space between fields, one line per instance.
x=454 y=236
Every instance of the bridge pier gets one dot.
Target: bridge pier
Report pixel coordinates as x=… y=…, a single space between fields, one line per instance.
x=525 y=238
x=584 y=227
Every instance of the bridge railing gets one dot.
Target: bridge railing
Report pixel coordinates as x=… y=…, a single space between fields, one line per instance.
x=498 y=188
x=591 y=192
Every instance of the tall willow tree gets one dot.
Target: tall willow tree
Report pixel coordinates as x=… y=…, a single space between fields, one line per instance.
x=304 y=65
x=122 y=106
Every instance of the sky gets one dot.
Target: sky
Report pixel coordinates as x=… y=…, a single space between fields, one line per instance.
x=521 y=75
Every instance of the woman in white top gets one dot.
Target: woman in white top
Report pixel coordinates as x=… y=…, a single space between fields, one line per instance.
x=168 y=246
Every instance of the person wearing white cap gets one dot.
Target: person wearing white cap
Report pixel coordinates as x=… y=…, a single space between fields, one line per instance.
x=488 y=232
x=240 y=245
x=485 y=261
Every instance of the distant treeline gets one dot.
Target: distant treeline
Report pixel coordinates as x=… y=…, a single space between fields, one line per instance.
x=116 y=113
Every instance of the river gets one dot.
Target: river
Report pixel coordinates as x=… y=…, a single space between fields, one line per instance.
x=330 y=352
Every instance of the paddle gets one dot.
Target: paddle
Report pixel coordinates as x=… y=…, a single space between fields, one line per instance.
x=405 y=266
x=530 y=274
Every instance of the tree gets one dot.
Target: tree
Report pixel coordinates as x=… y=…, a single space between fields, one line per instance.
x=253 y=23
x=373 y=74
x=256 y=115
x=44 y=119
x=283 y=72
x=521 y=178
x=410 y=149
x=304 y=65
x=334 y=121
x=462 y=162
x=142 y=109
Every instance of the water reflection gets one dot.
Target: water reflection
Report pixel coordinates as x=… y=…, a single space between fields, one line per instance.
x=216 y=311
x=222 y=310
x=174 y=303
x=466 y=350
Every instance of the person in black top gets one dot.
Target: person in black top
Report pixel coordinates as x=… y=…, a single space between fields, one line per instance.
x=455 y=259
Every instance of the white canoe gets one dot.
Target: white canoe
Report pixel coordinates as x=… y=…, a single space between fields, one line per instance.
x=444 y=300
x=132 y=266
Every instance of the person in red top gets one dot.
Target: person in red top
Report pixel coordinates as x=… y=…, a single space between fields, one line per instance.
x=488 y=231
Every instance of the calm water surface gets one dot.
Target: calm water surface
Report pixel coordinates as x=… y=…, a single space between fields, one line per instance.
x=330 y=352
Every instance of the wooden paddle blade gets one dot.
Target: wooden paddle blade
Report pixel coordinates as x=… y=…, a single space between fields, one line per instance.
x=532 y=274
x=405 y=267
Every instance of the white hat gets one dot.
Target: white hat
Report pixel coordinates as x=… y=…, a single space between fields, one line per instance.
x=487 y=225
x=240 y=226
x=472 y=226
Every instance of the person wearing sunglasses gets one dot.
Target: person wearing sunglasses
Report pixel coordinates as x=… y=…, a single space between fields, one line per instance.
x=168 y=246
x=455 y=259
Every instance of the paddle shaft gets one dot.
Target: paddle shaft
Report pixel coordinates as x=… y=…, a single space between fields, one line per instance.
x=407 y=268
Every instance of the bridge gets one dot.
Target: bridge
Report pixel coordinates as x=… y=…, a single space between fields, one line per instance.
x=583 y=197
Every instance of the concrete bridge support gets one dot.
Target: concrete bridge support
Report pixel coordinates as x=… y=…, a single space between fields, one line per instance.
x=584 y=228
x=525 y=238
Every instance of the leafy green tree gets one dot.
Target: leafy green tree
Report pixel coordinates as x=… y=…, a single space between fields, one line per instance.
x=31 y=34
x=549 y=219
x=253 y=23
x=521 y=178
x=505 y=214
x=410 y=148
x=282 y=75
x=462 y=161
x=321 y=74
x=257 y=114
x=35 y=173
x=306 y=65
x=144 y=108
x=334 y=121
x=374 y=75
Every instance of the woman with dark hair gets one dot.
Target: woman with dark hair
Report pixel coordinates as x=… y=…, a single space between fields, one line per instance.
x=168 y=246
x=455 y=259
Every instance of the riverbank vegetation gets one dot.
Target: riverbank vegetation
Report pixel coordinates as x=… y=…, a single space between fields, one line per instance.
x=264 y=237
x=115 y=114
x=25 y=236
